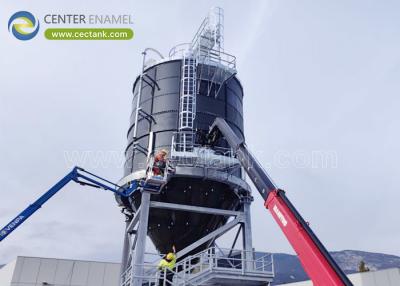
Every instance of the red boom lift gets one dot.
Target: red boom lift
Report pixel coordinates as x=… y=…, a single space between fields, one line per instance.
x=316 y=260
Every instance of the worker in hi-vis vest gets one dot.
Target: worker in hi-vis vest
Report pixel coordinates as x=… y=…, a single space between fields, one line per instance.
x=166 y=267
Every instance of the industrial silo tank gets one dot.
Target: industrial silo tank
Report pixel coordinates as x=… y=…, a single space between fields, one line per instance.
x=197 y=185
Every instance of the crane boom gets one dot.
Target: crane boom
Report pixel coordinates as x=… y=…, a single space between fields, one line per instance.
x=316 y=260
x=81 y=177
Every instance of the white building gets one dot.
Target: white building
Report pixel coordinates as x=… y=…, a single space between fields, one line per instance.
x=33 y=271
x=387 y=277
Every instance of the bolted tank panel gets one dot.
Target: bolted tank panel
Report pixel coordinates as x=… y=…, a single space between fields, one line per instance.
x=225 y=100
x=162 y=102
x=160 y=98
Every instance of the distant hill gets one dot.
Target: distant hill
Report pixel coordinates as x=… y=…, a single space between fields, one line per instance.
x=288 y=268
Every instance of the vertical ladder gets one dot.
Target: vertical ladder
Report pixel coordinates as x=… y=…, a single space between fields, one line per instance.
x=187 y=108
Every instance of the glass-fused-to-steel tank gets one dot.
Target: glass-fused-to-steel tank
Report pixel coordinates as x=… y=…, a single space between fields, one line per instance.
x=179 y=98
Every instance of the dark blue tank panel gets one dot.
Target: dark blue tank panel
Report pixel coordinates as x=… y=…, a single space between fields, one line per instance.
x=161 y=100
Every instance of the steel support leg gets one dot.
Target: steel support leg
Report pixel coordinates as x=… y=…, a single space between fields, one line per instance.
x=247 y=236
x=139 y=251
x=125 y=252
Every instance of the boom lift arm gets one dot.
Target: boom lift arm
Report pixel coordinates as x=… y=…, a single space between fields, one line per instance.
x=81 y=177
x=316 y=260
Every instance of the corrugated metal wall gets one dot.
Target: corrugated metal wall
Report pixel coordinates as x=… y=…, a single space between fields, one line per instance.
x=31 y=271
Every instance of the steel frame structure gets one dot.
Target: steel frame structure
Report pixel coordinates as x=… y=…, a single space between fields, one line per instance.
x=136 y=231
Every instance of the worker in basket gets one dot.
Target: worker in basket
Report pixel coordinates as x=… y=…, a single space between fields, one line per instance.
x=160 y=163
x=166 y=268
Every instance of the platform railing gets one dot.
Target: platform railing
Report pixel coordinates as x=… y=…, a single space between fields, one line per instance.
x=228 y=152
x=192 y=269
x=126 y=277
x=153 y=276
x=239 y=262
x=213 y=157
x=211 y=56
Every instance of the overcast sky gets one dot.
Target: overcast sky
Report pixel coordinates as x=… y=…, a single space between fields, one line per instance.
x=318 y=76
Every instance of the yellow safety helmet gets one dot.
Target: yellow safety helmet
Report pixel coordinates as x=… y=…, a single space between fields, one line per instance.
x=170 y=256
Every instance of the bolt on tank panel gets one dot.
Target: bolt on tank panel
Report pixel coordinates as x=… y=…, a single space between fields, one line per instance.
x=180 y=228
x=161 y=100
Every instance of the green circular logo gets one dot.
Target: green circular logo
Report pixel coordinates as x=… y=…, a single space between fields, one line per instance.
x=23 y=25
